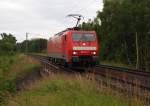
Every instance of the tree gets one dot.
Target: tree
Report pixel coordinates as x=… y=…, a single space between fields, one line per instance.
x=35 y=45
x=7 y=43
x=124 y=32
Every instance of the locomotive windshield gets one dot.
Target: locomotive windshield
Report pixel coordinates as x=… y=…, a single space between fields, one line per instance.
x=84 y=37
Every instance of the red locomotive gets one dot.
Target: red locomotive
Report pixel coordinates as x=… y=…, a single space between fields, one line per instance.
x=74 y=47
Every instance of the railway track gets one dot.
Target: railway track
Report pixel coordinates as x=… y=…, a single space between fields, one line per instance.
x=133 y=82
x=129 y=76
x=129 y=81
x=49 y=66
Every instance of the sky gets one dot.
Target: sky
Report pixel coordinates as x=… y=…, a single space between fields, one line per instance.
x=43 y=18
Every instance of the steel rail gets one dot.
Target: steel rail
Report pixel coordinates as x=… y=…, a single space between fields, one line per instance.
x=127 y=70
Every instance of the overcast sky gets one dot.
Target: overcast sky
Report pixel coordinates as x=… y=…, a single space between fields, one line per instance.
x=43 y=18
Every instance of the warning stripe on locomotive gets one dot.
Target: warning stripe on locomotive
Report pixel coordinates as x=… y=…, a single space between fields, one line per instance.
x=84 y=48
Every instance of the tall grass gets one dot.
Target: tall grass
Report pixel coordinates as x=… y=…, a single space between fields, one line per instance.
x=6 y=84
x=68 y=90
x=13 y=68
x=56 y=90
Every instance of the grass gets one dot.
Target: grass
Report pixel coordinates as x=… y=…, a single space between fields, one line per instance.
x=13 y=68
x=67 y=90
x=16 y=66
x=43 y=54
x=55 y=90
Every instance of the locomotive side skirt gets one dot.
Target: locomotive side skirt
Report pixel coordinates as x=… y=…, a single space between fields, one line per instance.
x=58 y=55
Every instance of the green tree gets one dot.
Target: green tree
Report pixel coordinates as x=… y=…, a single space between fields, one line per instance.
x=7 y=43
x=124 y=32
x=35 y=45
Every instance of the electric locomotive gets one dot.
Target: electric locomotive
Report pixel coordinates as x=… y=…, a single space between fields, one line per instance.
x=74 y=47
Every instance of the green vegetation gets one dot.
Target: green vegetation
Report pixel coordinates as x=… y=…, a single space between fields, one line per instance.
x=35 y=45
x=7 y=44
x=123 y=29
x=64 y=90
x=56 y=90
x=13 y=68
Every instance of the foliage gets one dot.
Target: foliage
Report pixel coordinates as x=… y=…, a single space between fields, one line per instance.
x=7 y=43
x=124 y=32
x=34 y=45
x=12 y=69
x=6 y=85
x=64 y=90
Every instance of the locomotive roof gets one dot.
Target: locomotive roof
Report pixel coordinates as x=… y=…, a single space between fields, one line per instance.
x=74 y=28
x=70 y=29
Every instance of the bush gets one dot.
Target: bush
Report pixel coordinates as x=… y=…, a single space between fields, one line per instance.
x=7 y=87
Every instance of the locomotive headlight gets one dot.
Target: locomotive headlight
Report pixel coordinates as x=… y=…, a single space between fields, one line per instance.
x=74 y=52
x=94 y=53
